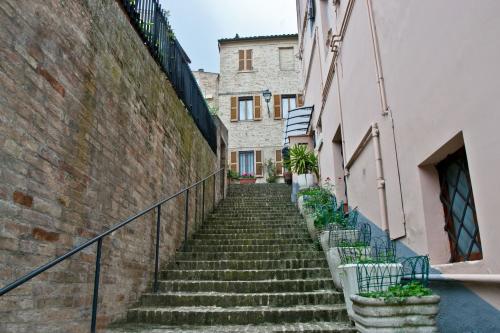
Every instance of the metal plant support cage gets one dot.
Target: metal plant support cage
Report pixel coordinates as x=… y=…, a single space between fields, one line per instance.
x=377 y=277
x=376 y=250
x=338 y=235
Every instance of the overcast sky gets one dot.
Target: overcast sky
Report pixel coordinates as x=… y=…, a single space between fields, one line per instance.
x=198 y=24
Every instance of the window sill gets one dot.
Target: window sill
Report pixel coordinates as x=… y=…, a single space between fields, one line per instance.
x=469 y=267
x=245 y=71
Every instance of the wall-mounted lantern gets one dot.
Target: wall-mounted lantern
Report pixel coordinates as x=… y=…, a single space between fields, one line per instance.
x=267 y=97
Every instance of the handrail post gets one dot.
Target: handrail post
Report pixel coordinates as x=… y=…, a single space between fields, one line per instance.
x=203 y=202
x=224 y=183
x=96 y=286
x=157 y=252
x=213 y=204
x=186 y=218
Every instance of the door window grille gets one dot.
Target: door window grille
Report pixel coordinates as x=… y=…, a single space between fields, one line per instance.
x=459 y=209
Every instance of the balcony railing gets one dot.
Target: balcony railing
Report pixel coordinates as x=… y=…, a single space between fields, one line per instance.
x=151 y=23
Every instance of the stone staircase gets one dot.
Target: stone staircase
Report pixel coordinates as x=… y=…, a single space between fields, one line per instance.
x=251 y=268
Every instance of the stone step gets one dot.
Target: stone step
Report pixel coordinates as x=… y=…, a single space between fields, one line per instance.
x=232 y=300
x=250 y=248
x=257 y=286
x=266 y=219
x=245 y=275
x=256 y=235
x=302 y=327
x=270 y=230
x=251 y=264
x=253 y=223
x=248 y=241
x=246 y=255
x=212 y=315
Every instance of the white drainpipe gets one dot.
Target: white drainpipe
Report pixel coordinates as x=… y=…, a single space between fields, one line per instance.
x=382 y=198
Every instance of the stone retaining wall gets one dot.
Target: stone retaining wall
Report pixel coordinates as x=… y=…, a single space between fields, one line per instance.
x=91 y=131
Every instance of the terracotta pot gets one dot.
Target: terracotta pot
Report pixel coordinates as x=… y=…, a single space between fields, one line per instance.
x=247 y=180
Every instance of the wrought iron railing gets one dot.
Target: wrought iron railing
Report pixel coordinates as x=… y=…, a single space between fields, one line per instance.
x=99 y=239
x=151 y=23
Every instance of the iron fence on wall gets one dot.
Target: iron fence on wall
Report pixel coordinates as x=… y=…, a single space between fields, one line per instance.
x=151 y=22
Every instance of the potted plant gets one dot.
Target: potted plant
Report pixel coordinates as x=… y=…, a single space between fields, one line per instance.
x=272 y=176
x=247 y=178
x=287 y=175
x=407 y=307
x=233 y=176
x=304 y=163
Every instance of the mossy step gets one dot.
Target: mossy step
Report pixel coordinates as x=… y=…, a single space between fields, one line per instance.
x=250 y=264
x=212 y=315
x=301 y=327
x=249 y=231
x=245 y=275
x=248 y=255
x=250 y=248
x=249 y=241
x=232 y=300
x=256 y=235
x=257 y=286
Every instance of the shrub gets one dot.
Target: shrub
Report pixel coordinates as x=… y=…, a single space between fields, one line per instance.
x=271 y=171
x=302 y=160
x=399 y=292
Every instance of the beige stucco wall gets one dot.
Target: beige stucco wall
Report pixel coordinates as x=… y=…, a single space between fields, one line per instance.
x=266 y=134
x=440 y=66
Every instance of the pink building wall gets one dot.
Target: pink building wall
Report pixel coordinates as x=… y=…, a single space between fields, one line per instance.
x=439 y=63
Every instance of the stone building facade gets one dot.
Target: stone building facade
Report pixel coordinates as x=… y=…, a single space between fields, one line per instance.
x=248 y=66
x=91 y=132
x=405 y=122
x=209 y=85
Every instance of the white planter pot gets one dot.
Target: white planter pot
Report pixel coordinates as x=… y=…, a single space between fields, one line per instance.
x=300 y=204
x=333 y=258
x=387 y=274
x=323 y=239
x=334 y=261
x=310 y=225
x=305 y=180
x=412 y=314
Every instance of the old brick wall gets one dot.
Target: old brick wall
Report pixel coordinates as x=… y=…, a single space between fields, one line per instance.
x=91 y=131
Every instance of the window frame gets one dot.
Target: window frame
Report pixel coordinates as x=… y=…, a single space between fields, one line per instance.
x=247 y=100
x=458 y=158
x=247 y=58
x=241 y=154
x=285 y=112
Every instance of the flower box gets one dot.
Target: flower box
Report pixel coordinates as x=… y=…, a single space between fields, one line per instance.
x=247 y=180
x=408 y=314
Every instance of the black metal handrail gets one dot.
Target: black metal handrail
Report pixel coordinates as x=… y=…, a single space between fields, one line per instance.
x=152 y=25
x=100 y=237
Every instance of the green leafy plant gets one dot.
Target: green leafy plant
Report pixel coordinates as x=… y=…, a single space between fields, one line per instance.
x=310 y=191
x=303 y=161
x=398 y=293
x=271 y=171
x=232 y=174
x=285 y=153
x=352 y=244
